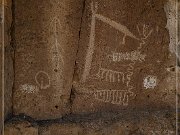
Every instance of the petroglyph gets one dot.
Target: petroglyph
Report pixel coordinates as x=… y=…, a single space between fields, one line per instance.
x=57 y=55
x=28 y=88
x=128 y=56
x=116 y=26
x=91 y=48
x=56 y=50
x=43 y=80
x=144 y=34
x=110 y=75
x=150 y=82
x=119 y=97
x=130 y=69
x=113 y=76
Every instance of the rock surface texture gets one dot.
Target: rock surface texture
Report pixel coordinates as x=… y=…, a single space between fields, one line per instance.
x=91 y=67
x=141 y=123
x=124 y=58
x=46 y=34
x=6 y=55
x=20 y=128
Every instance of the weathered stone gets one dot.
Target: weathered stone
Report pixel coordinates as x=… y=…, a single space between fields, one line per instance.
x=6 y=58
x=8 y=61
x=20 y=128
x=137 y=124
x=61 y=129
x=46 y=34
x=124 y=60
x=1 y=92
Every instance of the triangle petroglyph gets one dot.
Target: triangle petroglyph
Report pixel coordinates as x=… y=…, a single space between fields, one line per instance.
x=109 y=75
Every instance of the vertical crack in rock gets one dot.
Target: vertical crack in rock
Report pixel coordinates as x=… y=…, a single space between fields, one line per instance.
x=9 y=61
x=72 y=95
x=13 y=46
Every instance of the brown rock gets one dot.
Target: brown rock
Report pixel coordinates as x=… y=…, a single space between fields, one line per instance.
x=6 y=59
x=46 y=36
x=124 y=58
x=1 y=94
x=7 y=3
x=61 y=129
x=137 y=124
x=20 y=128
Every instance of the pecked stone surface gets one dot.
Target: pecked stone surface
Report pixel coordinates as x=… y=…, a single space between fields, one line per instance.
x=46 y=34
x=20 y=128
x=124 y=58
x=137 y=124
x=61 y=129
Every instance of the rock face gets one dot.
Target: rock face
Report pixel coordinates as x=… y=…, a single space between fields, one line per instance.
x=139 y=124
x=46 y=36
x=136 y=123
x=6 y=57
x=90 y=67
x=20 y=128
x=61 y=129
x=6 y=62
x=1 y=94
x=124 y=58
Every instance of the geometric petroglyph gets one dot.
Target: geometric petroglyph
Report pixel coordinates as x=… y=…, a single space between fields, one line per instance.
x=110 y=75
x=57 y=54
x=150 y=82
x=111 y=23
x=132 y=56
x=144 y=33
x=119 y=97
x=28 y=88
x=43 y=80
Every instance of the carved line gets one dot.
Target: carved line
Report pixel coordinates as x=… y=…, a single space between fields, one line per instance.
x=116 y=25
x=90 y=50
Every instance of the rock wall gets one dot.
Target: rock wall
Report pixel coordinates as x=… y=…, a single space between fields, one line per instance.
x=91 y=67
x=139 y=124
x=46 y=34
x=116 y=68
x=6 y=64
